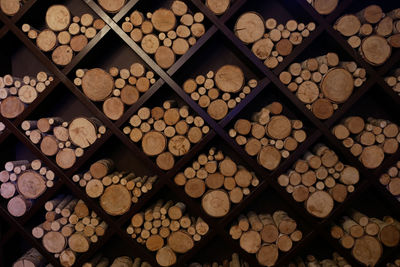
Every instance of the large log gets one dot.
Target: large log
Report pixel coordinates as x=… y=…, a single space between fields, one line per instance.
x=82 y=132
x=249 y=27
x=58 y=17
x=31 y=184
x=216 y=203
x=116 y=200
x=97 y=84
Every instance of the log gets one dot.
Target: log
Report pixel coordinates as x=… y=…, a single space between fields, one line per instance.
x=11 y=107
x=78 y=42
x=262 y=48
x=217 y=109
x=165 y=161
x=180 y=242
x=367 y=250
x=27 y=94
x=165 y=56
x=371 y=14
x=372 y=156
x=150 y=43
x=179 y=46
x=116 y=200
x=269 y=157
x=112 y=6
x=82 y=132
x=97 y=84
x=307 y=92
x=250 y=241
x=163 y=20
x=166 y=256
x=62 y=55
x=18 y=206
x=31 y=184
x=267 y=255
x=58 y=17
x=349 y=175
x=54 y=242
x=153 y=143
x=216 y=203
x=67 y=257
x=375 y=50
x=284 y=243
x=279 y=127
x=77 y=242
x=337 y=85
x=66 y=158
x=229 y=79
x=31 y=258
x=218 y=7
x=113 y=108
x=154 y=243
x=46 y=40
x=325 y=7
x=178 y=145
x=250 y=27
x=348 y=25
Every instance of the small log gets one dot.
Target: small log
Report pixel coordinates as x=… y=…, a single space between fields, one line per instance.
x=269 y=157
x=62 y=55
x=54 y=242
x=267 y=255
x=163 y=20
x=180 y=242
x=166 y=256
x=216 y=196
x=116 y=200
x=97 y=84
x=229 y=79
x=58 y=17
x=250 y=241
x=112 y=6
x=31 y=185
x=31 y=258
x=364 y=244
x=348 y=25
x=249 y=27
x=165 y=56
x=324 y=7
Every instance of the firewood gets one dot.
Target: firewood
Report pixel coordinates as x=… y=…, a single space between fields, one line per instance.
x=62 y=55
x=31 y=258
x=112 y=6
x=165 y=56
x=229 y=78
x=11 y=107
x=249 y=27
x=46 y=40
x=163 y=20
x=54 y=242
x=97 y=84
x=218 y=7
x=166 y=256
x=58 y=17
x=180 y=242
x=370 y=54
x=267 y=255
x=324 y=7
x=367 y=243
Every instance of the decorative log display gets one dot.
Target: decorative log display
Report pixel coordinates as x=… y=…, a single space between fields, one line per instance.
x=31 y=258
x=219 y=92
x=166 y=33
x=369 y=140
x=166 y=131
x=391 y=180
x=269 y=135
x=22 y=182
x=64 y=140
x=116 y=190
x=64 y=34
x=310 y=260
x=324 y=7
x=69 y=228
x=218 y=181
x=166 y=228
x=235 y=261
x=265 y=235
x=322 y=83
x=102 y=261
x=366 y=236
x=394 y=80
x=372 y=32
x=16 y=93
x=116 y=88
x=270 y=41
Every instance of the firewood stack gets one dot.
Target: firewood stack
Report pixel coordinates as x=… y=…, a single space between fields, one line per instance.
x=101 y=261
x=362 y=234
x=115 y=88
x=394 y=81
x=165 y=33
x=265 y=234
x=22 y=182
x=69 y=228
x=270 y=41
x=311 y=261
x=116 y=190
x=269 y=135
x=372 y=32
x=221 y=92
x=324 y=7
x=63 y=37
x=64 y=140
x=319 y=179
x=31 y=258
x=391 y=179
x=396 y=263
x=167 y=229
x=167 y=126
x=16 y=93
x=236 y=261
x=218 y=7
x=323 y=82
x=218 y=181
x=112 y=6
x=368 y=140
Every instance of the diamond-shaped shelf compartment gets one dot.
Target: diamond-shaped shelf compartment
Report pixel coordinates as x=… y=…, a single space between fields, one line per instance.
x=273 y=30
x=21 y=84
x=166 y=128
x=115 y=177
x=167 y=228
x=371 y=29
x=324 y=7
x=61 y=31
x=393 y=80
x=165 y=29
x=218 y=179
x=115 y=82
x=323 y=78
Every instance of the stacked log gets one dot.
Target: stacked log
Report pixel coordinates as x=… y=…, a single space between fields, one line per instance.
x=396 y=263
x=165 y=33
x=101 y=261
x=324 y=7
x=166 y=228
x=394 y=81
x=319 y=179
x=218 y=181
x=265 y=235
x=391 y=180
x=64 y=140
x=372 y=32
x=365 y=235
x=16 y=93
x=311 y=260
x=324 y=82
x=116 y=88
x=116 y=190
x=31 y=258
x=168 y=126
x=22 y=182
x=221 y=92
x=368 y=140
x=269 y=135
x=218 y=7
x=69 y=228
x=235 y=261
x=64 y=34
x=270 y=41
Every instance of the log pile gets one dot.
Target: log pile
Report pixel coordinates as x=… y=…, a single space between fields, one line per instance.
x=64 y=34
x=165 y=33
x=365 y=235
x=23 y=181
x=391 y=179
x=16 y=93
x=166 y=131
x=324 y=7
x=31 y=258
x=271 y=41
x=167 y=229
x=235 y=261
x=218 y=181
x=396 y=263
x=221 y=92
x=69 y=228
x=311 y=261
x=368 y=140
x=394 y=81
x=319 y=179
x=123 y=261
x=265 y=235
x=372 y=32
x=64 y=140
x=116 y=190
x=218 y=7
x=324 y=82
x=115 y=88
x=269 y=135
